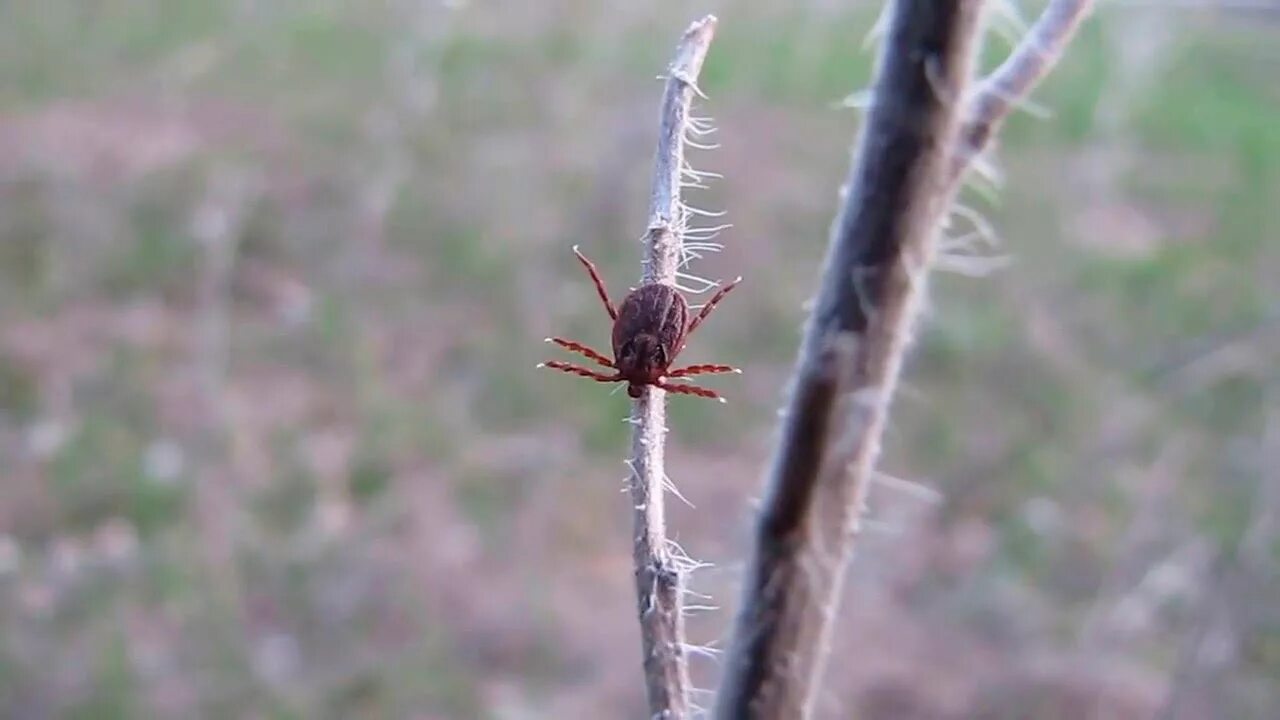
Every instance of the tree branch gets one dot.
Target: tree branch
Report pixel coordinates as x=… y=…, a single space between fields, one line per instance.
x=659 y=579
x=879 y=250
x=912 y=152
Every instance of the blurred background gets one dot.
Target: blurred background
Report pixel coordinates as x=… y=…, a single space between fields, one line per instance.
x=274 y=277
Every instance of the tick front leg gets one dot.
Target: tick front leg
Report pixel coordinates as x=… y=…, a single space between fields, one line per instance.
x=702 y=370
x=595 y=278
x=579 y=370
x=582 y=350
x=690 y=390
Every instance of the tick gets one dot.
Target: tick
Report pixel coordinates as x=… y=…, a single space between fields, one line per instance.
x=650 y=329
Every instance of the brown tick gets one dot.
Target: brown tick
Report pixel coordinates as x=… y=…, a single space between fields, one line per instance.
x=649 y=331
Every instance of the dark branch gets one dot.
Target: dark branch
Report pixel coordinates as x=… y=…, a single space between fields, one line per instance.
x=912 y=153
x=879 y=248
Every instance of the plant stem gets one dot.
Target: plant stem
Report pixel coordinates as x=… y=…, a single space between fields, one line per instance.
x=659 y=579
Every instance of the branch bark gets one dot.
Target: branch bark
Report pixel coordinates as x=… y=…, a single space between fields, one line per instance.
x=913 y=150
x=659 y=579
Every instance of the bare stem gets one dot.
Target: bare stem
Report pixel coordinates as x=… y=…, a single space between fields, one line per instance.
x=999 y=94
x=659 y=580
x=882 y=245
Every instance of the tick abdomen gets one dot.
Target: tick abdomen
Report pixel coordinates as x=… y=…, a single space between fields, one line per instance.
x=652 y=309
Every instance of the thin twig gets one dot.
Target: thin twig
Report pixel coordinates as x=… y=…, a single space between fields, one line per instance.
x=881 y=248
x=1010 y=84
x=658 y=576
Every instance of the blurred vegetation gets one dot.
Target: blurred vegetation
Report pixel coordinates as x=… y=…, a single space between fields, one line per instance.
x=274 y=279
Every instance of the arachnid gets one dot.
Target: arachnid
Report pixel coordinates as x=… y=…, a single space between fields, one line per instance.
x=650 y=329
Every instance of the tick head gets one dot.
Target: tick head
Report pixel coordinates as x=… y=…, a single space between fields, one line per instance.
x=642 y=360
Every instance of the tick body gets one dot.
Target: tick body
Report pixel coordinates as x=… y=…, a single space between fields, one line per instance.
x=650 y=329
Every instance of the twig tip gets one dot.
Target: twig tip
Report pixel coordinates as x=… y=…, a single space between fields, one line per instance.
x=707 y=20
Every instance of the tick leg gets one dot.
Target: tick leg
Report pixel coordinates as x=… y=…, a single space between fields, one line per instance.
x=595 y=278
x=691 y=390
x=582 y=350
x=711 y=305
x=579 y=370
x=702 y=370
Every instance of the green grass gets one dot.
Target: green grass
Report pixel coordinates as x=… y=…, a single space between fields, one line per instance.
x=114 y=695
x=787 y=57
x=19 y=391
